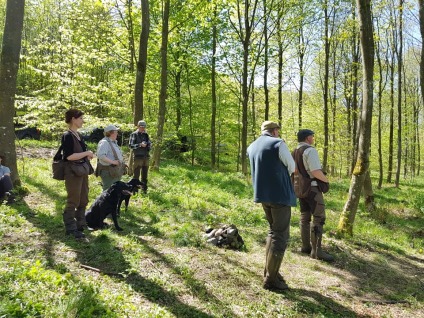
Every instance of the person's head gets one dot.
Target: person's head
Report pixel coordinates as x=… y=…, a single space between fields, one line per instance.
x=141 y=125
x=111 y=131
x=271 y=127
x=74 y=117
x=305 y=135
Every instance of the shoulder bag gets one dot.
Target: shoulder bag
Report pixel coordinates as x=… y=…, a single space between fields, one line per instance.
x=58 y=165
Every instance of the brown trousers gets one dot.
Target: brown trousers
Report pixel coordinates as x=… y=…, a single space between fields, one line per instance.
x=143 y=165
x=76 y=201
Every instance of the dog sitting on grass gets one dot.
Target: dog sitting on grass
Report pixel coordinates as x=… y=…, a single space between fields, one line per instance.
x=107 y=203
x=135 y=185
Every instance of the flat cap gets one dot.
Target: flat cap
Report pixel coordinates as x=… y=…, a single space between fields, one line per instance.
x=268 y=124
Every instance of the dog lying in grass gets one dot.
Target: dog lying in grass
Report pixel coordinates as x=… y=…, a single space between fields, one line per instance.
x=107 y=203
x=135 y=185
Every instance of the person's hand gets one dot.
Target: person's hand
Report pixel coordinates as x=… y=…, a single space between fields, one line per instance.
x=90 y=154
x=143 y=144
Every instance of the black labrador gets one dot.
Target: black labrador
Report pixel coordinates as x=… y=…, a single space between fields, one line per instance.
x=107 y=203
x=135 y=185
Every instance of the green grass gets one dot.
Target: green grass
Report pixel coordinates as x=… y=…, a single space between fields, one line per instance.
x=160 y=265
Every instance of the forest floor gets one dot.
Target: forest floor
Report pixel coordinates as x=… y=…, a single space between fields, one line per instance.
x=161 y=266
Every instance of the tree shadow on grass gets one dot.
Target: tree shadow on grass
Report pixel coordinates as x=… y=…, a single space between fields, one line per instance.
x=100 y=253
x=312 y=303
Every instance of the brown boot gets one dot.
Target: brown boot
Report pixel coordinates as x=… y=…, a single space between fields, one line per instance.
x=317 y=252
x=271 y=281
x=305 y=234
x=267 y=249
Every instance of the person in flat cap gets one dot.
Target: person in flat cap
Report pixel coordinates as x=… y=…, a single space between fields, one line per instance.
x=271 y=166
x=110 y=161
x=312 y=206
x=140 y=144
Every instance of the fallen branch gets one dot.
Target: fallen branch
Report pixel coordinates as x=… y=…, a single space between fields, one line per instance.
x=383 y=302
x=94 y=269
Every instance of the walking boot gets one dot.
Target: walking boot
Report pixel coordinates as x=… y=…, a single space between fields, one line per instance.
x=317 y=252
x=305 y=234
x=271 y=281
x=267 y=249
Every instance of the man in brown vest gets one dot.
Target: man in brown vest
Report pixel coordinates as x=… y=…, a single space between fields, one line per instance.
x=313 y=205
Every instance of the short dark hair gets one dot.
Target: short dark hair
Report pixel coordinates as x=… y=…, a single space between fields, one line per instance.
x=72 y=113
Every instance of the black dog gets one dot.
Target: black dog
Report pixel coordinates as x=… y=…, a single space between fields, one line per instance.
x=107 y=203
x=135 y=185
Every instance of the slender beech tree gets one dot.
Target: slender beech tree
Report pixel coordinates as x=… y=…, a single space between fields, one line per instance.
x=163 y=86
x=326 y=83
x=266 y=64
x=213 y=87
x=421 y=12
x=142 y=62
x=399 y=55
x=9 y=65
x=347 y=217
x=246 y=22
x=382 y=81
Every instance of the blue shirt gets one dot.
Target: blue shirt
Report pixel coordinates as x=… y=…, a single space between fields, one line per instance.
x=4 y=170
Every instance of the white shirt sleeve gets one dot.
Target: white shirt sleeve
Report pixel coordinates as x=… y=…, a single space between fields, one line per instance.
x=286 y=157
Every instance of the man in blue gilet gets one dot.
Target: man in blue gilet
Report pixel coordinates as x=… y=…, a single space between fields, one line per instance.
x=271 y=166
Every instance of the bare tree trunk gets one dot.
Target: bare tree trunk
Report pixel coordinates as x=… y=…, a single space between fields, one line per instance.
x=266 y=90
x=399 y=54
x=9 y=65
x=163 y=89
x=178 y=97
x=301 y=55
x=131 y=44
x=421 y=10
x=368 y=193
x=142 y=63
x=381 y=88
x=326 y=79
x=347 y=217
x=213 y=91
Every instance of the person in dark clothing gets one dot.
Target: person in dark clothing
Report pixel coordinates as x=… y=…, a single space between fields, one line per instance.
x=75 y=152
x=6 y=184
x=140 y=144
x=271 y=166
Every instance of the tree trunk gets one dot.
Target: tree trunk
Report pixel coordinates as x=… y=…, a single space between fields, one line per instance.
x=347 y=217
x=9 y=65
x=399 y=54
x=213 y=91
x=325 y=88
x=266 y=90
x=421 y=10
x=163 y=89
x=301 y=56
x=142 y=63
x=131 y=44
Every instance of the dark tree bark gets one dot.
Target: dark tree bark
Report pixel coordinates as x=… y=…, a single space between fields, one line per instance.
x=266 y=66
x=325 y=87
x=163 y=89
x=399 y=54
x=301 y=56
x=421 y=11
x=347 y=217
x=213 y=90
x=9 y=65
x=142 y=63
